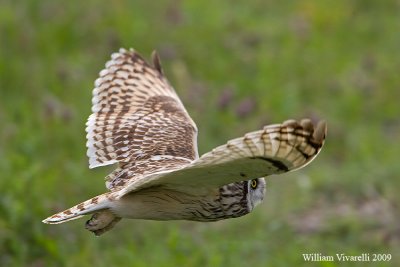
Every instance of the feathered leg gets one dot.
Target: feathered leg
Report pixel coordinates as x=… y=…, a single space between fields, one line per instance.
x=101 y=222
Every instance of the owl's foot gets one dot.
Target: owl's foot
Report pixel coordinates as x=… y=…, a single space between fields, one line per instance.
x=101 y=222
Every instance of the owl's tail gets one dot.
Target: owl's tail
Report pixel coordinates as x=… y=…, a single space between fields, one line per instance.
x=87 y=207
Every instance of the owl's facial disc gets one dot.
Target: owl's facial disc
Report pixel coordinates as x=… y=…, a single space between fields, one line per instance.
x=256 y=191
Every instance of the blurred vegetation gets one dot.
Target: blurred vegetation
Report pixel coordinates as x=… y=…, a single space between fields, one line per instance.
x=237 y=65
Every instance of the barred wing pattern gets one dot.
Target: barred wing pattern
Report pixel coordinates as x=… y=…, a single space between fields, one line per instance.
x=137 y=116
x=276 y=149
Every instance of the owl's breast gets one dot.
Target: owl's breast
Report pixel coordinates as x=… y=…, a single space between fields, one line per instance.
x=167 y=204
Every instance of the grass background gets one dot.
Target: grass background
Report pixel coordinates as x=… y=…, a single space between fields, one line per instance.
x=237 y=65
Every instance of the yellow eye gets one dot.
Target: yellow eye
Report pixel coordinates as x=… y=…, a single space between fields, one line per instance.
x=253 y=184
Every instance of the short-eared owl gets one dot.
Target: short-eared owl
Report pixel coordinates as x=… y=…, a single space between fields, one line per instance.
x=139 y=122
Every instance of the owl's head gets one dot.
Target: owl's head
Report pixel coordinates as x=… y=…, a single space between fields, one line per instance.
x=256 y=191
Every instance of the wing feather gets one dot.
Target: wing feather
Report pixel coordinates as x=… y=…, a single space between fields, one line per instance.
x=275 y=149
x=136 y=115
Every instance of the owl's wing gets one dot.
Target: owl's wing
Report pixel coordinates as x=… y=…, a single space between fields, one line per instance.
x=275 y=149
x=137 y=116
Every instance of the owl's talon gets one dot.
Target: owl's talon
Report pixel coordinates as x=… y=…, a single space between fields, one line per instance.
x=101 y=222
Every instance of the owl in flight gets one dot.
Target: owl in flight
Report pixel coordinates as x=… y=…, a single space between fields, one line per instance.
x=139 y=122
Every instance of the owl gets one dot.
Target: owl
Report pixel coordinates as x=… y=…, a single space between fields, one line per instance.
x=139 y=123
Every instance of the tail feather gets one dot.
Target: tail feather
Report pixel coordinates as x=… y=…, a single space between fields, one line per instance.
x=77 y=211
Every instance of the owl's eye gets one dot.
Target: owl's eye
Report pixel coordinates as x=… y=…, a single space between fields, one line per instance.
x=253 y=184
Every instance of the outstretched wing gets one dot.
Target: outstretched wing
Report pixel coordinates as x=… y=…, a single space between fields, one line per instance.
x=137 y=116
x=275 y=149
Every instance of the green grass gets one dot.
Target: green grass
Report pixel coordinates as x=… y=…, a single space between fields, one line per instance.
x=336 y=60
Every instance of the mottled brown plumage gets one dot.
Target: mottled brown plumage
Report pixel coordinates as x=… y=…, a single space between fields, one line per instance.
x=139 y=122
x=137 y=114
